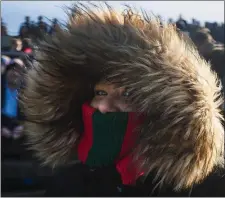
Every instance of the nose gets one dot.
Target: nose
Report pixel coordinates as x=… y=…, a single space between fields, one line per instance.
x=106 y=107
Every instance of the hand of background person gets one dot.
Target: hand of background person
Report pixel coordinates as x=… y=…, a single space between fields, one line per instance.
x=18 y=132
x=6 y=132
x=2 y=69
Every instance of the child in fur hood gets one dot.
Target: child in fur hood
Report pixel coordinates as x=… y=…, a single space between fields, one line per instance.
x=136 y=104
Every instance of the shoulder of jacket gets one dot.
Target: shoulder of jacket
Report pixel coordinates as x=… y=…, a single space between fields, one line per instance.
x=213 y=185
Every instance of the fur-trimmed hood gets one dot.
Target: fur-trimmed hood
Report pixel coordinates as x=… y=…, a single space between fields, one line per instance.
x=182 y=138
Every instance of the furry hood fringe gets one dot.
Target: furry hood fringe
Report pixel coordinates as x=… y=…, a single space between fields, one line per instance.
x=182 y=138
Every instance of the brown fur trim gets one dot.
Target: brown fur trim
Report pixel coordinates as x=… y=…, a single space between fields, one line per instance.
x=182 y=138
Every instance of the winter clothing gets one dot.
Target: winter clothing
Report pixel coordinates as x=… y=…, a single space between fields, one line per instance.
x=109 y=139
x=180 y=142
x=9 y=122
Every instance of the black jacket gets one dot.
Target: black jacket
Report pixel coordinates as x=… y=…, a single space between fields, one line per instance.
x=79 y=180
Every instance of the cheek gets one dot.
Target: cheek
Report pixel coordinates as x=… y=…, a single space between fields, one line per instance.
x=125 y=106
x=122 y=106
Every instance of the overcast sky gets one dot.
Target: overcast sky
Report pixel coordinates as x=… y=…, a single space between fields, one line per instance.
x=13 y=12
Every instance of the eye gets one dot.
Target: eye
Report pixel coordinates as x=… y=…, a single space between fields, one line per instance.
x=126 y=93
x=100 y=93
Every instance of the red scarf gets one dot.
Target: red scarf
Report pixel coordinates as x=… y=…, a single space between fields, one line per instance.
x=123 y=158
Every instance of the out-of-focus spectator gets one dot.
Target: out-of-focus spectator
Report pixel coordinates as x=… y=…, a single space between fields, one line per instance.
x=27 y=22
x=5 y=38
x=42 y=25
x=24 y=31
x=195 y=22
x=208 y=25
x=16 y=45
x=211 y=50
x=34 y=30
x=170 y=20
x=10 y=112
x=38 y=30
x=3 y=28
x=27 y=46
x=28 y=49
x=5 y=61
x=182 y=24
x=217 y=31
x=221 y=34
x=203 y=40
x=55 y=27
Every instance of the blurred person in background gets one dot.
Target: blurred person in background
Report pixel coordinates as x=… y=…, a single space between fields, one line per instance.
x=170 y=20
x=3 y=28
x=222 y=33
x=181 y=23
x=55 y=27
x=4 y=31
x=5 y=61
x=195 y=22
x=16 y=45
x=5 y=38
x=25 y=28
x=27 y=46
x=11 y=116
x=27 y=22
x=28 y=49
x=217 y=31
x=212 y=51
x=38 y=30
x=42 y=25
x=183 y=26
x=24 y=32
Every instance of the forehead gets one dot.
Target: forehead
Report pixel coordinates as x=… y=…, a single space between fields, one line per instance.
x=107 y=86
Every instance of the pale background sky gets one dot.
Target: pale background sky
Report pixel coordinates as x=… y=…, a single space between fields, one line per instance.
x=13 y=12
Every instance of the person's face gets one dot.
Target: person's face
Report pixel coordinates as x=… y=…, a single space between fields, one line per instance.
x=17 y=46
x=108 y=98
x=14 y=76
